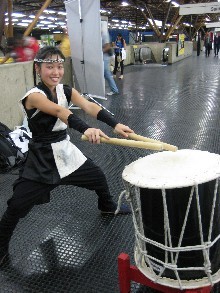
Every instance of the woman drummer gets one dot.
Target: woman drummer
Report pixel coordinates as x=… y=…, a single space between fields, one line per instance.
x=52 y=159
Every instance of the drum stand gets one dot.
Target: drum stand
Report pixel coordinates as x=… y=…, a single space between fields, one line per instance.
x=128 y=273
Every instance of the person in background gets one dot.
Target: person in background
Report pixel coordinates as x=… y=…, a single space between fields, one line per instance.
x=216 y=45
x=120 y=45
x=14 y=46
x=218 y=42
x=207 y=44
x=2 y=49
x=30 y=47
x=198 y=44
x=52 y=159
x=107 y=53
x=21 y=48
x=64 y=46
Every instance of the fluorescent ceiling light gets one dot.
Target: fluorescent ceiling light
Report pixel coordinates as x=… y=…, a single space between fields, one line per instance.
x=18 y=14
x=49 y=11
x=51 y=18
x=23 y=24
x=45 y=22
x=124 y=3
x=158 y=22
x=115 y=20
x=26 y=20
x=62 y=13
x=132 y=24
x=175 y=4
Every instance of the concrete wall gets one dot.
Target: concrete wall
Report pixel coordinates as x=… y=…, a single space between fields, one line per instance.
x=188 y=50
x=16 y=80
x=157 y=49
x=129 y=56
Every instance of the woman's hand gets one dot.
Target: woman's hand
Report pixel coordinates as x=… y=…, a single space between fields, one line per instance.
x=122 y=130
x=94 y=135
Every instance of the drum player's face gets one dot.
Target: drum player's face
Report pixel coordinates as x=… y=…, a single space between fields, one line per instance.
x=52 y=73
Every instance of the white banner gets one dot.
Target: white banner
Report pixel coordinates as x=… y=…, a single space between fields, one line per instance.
x=212 y=24
x=84 y=29
x=199 y=8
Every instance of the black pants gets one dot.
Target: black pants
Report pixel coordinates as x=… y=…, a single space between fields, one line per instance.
x=207 y=50
x=116 y=63
x=29 y=193
x=216 y=49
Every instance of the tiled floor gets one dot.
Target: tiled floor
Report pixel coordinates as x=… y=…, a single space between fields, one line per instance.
x=66 y=246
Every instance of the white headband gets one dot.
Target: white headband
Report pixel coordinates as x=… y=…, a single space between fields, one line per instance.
x=49 y=60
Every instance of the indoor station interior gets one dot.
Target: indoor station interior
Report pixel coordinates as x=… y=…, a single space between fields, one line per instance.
x=161 y=88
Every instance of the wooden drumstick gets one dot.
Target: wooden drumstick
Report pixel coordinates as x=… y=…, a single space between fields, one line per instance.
x=166 y=146
x=129 y=143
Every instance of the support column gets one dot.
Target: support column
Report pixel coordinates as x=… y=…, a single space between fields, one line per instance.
x=3 y=9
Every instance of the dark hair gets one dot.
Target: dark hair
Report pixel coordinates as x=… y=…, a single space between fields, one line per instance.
x=122 y=40
x=47 y=52
x=44 y=53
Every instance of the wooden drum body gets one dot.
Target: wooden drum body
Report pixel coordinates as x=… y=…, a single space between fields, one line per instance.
x=175 y=204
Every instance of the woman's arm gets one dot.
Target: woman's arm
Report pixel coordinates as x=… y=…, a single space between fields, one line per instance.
x=90 y=108
x=97 y=112
x=41 y=102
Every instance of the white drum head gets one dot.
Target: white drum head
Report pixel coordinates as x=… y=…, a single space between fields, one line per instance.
x=173 y=169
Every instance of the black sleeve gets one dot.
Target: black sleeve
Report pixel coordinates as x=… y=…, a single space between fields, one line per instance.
x=107 y=118
x=76 y=123
x=68 y=92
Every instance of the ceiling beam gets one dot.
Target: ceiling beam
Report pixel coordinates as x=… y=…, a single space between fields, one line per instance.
x=165 y=20
x=152 y=18
x=172 y=28
x=3 y=9
x=10 y=32
x=33 y=23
